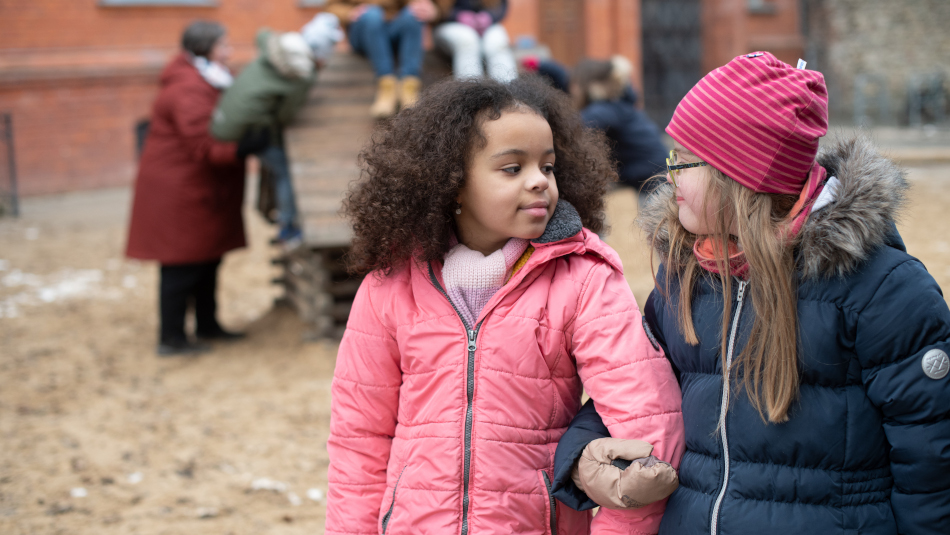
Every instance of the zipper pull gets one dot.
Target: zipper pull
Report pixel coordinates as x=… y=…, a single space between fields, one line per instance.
x=471 y=340
x=742 y=286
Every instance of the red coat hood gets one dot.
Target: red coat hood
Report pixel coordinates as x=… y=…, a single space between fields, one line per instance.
x=179 y=69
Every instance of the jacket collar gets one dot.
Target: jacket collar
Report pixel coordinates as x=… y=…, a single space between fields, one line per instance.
x=565 y=234
x=837 y=238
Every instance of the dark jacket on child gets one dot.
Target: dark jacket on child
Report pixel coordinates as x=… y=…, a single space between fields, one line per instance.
x=636 y=142
x=866 y=448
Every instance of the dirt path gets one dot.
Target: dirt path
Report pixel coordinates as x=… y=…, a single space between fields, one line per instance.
x=98 y=435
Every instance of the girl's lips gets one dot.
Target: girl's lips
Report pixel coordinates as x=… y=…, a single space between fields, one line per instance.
x=537 y=209
x=536 y=212
x=680 y=199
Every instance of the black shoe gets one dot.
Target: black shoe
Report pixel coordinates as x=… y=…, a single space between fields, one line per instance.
x=180 y=348
x=219 y=334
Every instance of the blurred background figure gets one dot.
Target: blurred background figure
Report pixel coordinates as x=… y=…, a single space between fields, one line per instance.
x=267 y=95
x=553 y=72
x=601 y=90
x=186 y=212
x=375 y=29
x=472 y=34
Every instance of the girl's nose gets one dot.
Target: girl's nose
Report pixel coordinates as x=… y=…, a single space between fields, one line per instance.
x=537 y=181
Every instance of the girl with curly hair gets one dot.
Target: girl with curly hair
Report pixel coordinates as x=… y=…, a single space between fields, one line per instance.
x=488 y=305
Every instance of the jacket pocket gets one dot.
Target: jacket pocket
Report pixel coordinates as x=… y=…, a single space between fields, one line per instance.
x=392 y=504
x=550 y=508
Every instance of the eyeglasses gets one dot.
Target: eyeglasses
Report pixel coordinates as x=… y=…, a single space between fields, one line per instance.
x=672 y=167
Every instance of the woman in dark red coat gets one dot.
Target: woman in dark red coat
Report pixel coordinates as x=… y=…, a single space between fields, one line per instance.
x=189 y=190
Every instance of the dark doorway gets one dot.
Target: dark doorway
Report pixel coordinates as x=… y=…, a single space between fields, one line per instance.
x=672 y=54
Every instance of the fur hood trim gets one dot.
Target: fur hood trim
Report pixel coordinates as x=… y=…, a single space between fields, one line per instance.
x=288 y=54
x=835 y=239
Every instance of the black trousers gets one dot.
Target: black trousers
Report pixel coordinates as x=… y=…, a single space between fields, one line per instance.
x=184 y=283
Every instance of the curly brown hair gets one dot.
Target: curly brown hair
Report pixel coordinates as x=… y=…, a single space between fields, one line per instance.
x=413 y=168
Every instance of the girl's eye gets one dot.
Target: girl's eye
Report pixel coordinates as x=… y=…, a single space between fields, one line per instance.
x=512 y=170
x=548 y=169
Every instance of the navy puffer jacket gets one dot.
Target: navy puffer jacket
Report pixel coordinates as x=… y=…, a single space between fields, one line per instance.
x=635 y=140
x=866 y=448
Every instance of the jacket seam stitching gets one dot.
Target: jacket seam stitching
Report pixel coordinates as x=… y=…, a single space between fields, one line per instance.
x=548 y=378
x=634 y=363
x=651 y=415
x=617 y=313
x=368 y=385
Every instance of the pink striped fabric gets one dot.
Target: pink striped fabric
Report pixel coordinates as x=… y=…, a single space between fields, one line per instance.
x=757 y=120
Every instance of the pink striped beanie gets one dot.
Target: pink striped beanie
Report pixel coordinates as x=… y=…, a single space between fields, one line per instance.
x=757 y=120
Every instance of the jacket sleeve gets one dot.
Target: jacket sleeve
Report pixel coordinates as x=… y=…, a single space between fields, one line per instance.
x=293 y=101
x=365 y=398
x=586 y=427
x=630 y=382
x=905 y=321
x=192 y=117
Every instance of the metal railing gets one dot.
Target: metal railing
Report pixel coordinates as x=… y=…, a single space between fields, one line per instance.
x=9 y=201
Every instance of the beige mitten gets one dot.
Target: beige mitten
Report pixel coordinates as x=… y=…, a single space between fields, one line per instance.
x=645 y=481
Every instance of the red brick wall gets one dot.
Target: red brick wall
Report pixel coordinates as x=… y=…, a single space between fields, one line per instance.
x=77 y=135
x=77 y=76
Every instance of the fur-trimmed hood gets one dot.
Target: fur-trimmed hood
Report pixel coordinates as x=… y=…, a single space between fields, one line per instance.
x=288 y=53
x=838 y=237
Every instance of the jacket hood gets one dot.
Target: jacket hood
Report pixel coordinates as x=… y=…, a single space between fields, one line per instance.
x=287 y=53
x=565 y=234
x=837 y=238
x=179 y=69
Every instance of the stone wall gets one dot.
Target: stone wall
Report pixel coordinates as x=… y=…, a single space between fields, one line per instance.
x=891 y=39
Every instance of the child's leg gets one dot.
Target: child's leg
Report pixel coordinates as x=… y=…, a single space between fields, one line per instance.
x=498 y=56
x=405 y=32
x=368 y=37
x=464 y=44
x=275 y=158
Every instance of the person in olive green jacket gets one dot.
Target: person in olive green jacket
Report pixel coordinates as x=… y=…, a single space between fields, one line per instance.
x=267 y=95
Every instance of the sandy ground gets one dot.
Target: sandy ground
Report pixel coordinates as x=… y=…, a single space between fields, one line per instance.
x=98 y=435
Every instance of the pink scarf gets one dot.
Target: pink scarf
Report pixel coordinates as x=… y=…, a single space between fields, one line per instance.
x=707 y=249
x=471 y=278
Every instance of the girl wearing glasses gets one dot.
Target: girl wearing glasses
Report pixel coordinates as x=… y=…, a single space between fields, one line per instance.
x=811 y=349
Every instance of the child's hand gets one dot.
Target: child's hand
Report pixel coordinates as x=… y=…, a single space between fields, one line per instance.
x=643 y=482
x=482 y=21
x=358 y=12
x=423 y=10
x=467 y=18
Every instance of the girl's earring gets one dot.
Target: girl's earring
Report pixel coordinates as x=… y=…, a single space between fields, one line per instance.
x=458 y=209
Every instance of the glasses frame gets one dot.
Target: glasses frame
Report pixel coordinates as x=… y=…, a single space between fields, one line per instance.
x=672 y=168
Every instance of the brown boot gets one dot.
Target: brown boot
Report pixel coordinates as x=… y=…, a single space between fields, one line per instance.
x=385 y=104
x=409 y=91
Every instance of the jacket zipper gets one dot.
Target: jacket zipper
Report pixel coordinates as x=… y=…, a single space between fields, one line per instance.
x=472 y=336
x=723 y=409
x=389 y=513
x=552 y=518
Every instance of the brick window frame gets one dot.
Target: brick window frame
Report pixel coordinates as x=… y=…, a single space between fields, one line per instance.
x=158 y=3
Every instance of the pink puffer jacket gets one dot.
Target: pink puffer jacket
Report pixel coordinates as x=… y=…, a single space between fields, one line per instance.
x=438 y=429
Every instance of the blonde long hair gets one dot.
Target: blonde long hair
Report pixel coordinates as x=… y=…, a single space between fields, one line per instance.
x=767 y=368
